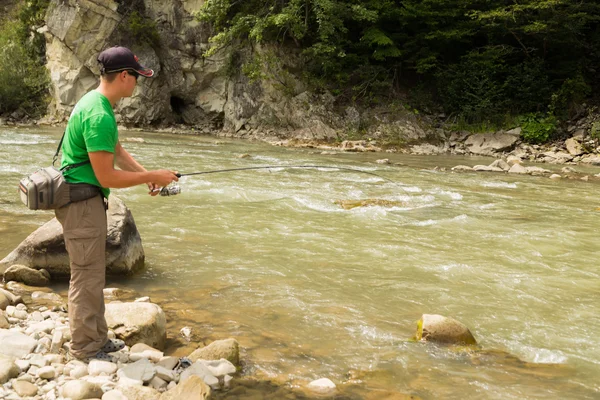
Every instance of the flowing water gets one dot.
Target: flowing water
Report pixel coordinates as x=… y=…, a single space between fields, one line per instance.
x=313 y=290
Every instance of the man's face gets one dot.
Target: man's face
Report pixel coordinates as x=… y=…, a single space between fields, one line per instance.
x=130 y=82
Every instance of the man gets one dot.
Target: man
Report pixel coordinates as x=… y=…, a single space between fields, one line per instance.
x=92 y=135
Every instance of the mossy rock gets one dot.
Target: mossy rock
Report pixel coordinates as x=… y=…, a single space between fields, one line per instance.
x=439 y=329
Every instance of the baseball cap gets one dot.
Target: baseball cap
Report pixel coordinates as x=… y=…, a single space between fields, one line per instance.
x=117 y=59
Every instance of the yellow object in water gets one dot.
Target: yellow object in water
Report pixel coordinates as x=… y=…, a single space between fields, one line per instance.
x=350 y=204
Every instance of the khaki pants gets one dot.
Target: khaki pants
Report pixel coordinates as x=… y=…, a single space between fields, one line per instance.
x=84 y=228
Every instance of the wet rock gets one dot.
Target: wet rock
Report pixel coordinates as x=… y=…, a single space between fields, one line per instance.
x=512 y=160
x=322 y=386
x=137 y=323
x=45 y=247
x=8 y=369
x=517 y=169
x=192 y=388
x=537 y=171
x=228 y=349
x=487 y=168
x=199 y=369
x=440 y=329
x=503 y=165
x=555 y=177
x=79 y=390
x=462 y=168
x=219 y=368
x=26 y=275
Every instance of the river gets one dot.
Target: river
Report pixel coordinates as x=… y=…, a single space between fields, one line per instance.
x=313 y=290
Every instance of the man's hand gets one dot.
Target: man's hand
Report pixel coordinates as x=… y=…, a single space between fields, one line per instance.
x=153 y=189
x=162 y=177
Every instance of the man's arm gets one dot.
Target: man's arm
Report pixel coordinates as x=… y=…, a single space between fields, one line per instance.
x=125 y=161
x=109 y=177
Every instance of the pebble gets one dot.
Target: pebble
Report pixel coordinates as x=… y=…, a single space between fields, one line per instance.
x=24 y=388
x=99 y=367
x=46 y=372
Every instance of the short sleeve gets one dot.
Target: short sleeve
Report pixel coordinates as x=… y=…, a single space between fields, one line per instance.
x=100 y=133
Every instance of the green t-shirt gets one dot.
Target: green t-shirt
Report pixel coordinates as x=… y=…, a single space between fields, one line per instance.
x=92 y=127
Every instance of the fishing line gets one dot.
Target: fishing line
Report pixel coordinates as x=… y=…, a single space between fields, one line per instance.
x=288 y=166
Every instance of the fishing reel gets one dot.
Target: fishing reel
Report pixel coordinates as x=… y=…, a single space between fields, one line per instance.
x=170 y=190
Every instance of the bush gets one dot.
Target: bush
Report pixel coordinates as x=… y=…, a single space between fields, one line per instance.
x=536 y=129
x=24 y=79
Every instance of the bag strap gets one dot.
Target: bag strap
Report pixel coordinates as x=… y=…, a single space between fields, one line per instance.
x=66 y=167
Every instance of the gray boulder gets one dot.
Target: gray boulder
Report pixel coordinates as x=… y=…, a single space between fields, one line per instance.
x=440 y=329
x=45 y=248
x=28 y=276
x=490 y=143
x=138 y=323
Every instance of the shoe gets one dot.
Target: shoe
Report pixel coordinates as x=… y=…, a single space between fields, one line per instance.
x=112 y=345
x=102 y=356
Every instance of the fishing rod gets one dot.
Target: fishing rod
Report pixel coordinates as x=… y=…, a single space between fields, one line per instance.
x=173 y=190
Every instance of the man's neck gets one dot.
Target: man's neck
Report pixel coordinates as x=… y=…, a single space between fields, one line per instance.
x=108 y=91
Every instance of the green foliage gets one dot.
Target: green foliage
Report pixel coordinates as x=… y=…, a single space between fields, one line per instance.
x=537 y=128
x=141 y=29
x=479 y=59
x=23 y=79
x=595 y=131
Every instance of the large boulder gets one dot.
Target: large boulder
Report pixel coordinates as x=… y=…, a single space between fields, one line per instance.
x=45 y=248
x=490 y=143
x=137 y=323
x=440 y=329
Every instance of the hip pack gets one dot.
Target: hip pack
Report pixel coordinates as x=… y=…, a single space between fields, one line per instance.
x=46 y=188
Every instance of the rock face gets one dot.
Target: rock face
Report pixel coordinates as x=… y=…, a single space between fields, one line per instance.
x=45 y=248
x=137 y=323
x=439 y=329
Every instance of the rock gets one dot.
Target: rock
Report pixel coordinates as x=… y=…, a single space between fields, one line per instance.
x=199 y=369
x=45 y=248
x=568 y=170
x=503 y=165
x=99 y=367
x=192 y=388
x=462 y=168
x=165 y=374
x=220 y=367
x=24 y=388
x=46 y=372
x=383 y=161
x=517 y=169
x=512 y=160
x=137 y=322
x=515 y=132
x=158 y=384
x=114 y=394
x=574 y=147
x=440 y=329
x=555 y=177
x=322 y=386
x=8 y=369
x=228 y=349
x=53 y=297
x=58 y=339
x=3 y=321
x=29 y=276
x=79 y=390
x=14 y=299
x=4 y=301
x=168 y=362
x=79 y=372
x=490 y=143
x=537 y=170
x=585 y=178
x=134 y=392
x=16 y=344
x=487 y=168
x=141 y=370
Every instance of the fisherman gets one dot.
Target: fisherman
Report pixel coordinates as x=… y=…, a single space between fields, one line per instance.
x=92 y=134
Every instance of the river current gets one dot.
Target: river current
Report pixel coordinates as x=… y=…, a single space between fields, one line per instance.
x=312 y=290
